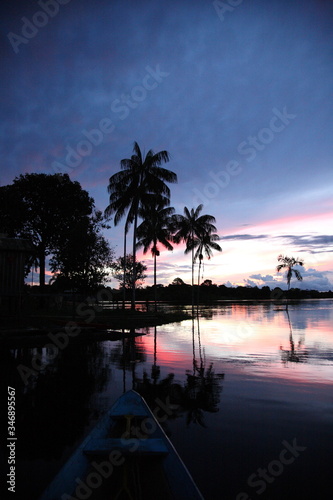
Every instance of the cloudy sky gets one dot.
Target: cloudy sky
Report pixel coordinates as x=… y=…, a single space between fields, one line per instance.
x=238 y=92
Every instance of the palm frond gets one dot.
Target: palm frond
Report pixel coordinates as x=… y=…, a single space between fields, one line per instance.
x=298 y=274
x=137 y=151
x=197 y=211
x=289 y=263
x=187 y=213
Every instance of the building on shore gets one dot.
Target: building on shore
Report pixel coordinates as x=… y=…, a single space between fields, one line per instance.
x=13 y=256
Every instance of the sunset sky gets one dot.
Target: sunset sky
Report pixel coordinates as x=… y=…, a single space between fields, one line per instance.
x=238 y=92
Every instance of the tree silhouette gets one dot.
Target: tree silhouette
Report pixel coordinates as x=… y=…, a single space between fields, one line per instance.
x=118 y=267
x=189 y=228
x=205 y=243
x=155 y=229
x=132 y=187
x=83 y=259
x=178 y=282
x=289 y=263
x=33 y=208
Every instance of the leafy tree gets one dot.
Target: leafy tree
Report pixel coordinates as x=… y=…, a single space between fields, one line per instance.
x=82 y=260
x=207 y=283
x=132 y=187
x=41 y=208
x=118 y=267
x=177 y=282
x=155 y=229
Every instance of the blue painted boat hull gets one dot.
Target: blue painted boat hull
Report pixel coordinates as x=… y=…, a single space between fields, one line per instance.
x=126 y=456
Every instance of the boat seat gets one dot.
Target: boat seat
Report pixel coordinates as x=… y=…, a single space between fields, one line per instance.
x=137 y=413
x=132 y=446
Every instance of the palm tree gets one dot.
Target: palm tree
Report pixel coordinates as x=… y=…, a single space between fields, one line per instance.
x=190 y=226
x=205 y=243
x=289 y=263
x=155 y=228
x=130 y=188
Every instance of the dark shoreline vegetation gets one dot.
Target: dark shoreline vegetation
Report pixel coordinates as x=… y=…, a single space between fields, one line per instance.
x=42 y=313
x=43 y=327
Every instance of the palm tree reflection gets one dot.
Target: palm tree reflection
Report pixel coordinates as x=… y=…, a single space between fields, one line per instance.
x=198 y=395
x=295 y=354
x=202 y=390
x=201 y=393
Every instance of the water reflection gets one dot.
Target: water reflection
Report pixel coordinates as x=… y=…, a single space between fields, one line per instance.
x=197 y=395
x=202 y=388
x=58 y=401
x=184 y=364
x=126 y=355
x=294 y=354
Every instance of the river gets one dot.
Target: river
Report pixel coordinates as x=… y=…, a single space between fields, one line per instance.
x=247 y=387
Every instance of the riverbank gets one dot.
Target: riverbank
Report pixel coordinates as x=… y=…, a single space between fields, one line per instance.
x=98 y=325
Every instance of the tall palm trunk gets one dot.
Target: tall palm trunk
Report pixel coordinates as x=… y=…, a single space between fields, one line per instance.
x=192 y=236
x=287 y=296
x=200 y=262
x=41 y=265
x=155 y=291
x=42 y=258
x=134 y=257
x=124 y=273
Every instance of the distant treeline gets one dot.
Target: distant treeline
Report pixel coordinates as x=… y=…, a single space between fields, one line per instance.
x=210 y=293
x=205 y=294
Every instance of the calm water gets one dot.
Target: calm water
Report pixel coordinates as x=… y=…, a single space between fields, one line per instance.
x=247 y=387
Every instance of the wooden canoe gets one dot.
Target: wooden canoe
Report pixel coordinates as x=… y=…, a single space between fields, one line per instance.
x=126 y=456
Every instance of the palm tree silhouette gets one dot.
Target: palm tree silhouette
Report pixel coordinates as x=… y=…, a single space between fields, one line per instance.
x=155 y=229
x=205 y=243
x=189 y=228
x=289 y=263
x=131 y=189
